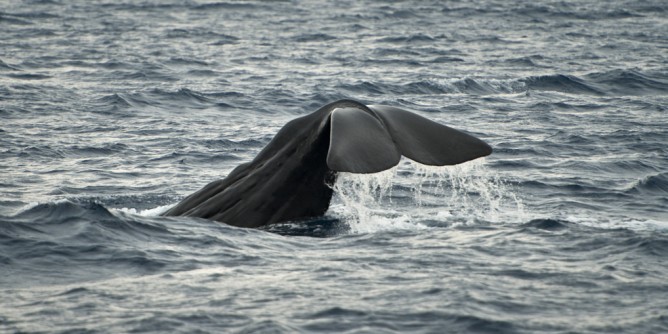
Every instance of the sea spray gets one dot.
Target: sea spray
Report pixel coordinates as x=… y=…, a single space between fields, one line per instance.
x=465 y=193
x=366 y=202
x=468 y=190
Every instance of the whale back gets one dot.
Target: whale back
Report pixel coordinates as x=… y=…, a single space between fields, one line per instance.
x=288 y=180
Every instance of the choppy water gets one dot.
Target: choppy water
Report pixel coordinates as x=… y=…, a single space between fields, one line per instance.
x=113 y=110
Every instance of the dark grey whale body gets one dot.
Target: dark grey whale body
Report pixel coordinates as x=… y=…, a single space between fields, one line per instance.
x=291 y=177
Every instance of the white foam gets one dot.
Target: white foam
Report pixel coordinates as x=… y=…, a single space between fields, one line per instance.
x=148 y=212
x=27 y=207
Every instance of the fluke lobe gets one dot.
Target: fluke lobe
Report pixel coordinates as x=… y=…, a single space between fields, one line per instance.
x=291 y=178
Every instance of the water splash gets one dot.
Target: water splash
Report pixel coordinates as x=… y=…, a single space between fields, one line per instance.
x=147 y=212
x=366 y=202
x=414 y=196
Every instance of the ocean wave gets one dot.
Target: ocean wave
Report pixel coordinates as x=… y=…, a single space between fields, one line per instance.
x=310 y=38
x=40 y=152
x=113 y=102
x=528 y=61
x=112 y=65
x=399 y=14
x=154 y=97
x=629 y=82
x=227 y=5
x=12 y=19
x=144 y=74
x=652 y=184
x=547 y=224
x=187 y=61
x=342 y=319
x=29 y=76
x=5 y=66
x=410 y=39
x=201 y=34
x=65 y=234
x=654 y=246
x=426 y=87
x=69 y=220
x=36 y=15
x=446 y=59
x=103 y=150
x=565 y=11
x=560 y=83
x=201 y=157
x=613 y=83
x=236 y=144
x=186 y=94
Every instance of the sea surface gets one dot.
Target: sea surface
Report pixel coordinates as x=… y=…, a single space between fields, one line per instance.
x=113 y=111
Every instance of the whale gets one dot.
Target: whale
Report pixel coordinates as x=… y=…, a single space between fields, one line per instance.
x=292 y=178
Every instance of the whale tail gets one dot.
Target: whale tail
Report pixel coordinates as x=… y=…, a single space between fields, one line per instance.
x=373 y=139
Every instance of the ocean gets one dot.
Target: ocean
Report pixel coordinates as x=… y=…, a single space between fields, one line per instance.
x=113 y=111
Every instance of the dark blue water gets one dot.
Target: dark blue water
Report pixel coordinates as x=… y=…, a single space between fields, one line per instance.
x=112 y=111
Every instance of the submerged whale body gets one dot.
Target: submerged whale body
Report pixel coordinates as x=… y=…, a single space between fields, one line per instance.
x=291 y=178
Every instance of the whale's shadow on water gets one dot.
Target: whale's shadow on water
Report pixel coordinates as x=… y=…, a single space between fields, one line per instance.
x=320 y=227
